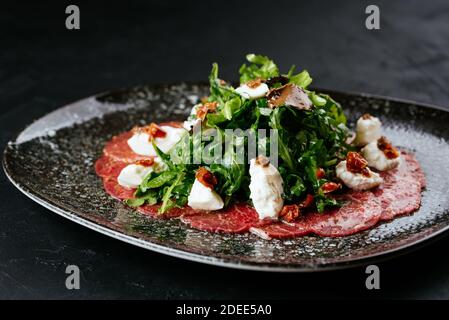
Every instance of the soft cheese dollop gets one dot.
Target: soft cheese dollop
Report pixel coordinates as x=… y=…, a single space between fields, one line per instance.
x=204 y=198
x=357 y=181
x=377 y=159
x=132 y=175
x=367 y=130
x=251 y=91
x=266 y=188
x=141 y=143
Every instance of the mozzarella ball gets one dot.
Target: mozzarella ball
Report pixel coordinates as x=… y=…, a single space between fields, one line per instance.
x=132 y=175
x=266 y=188
x=376 y=158
x=252 y=93
x=367 y=130
x=141 y=142
x=357 y=181
x=204 y=198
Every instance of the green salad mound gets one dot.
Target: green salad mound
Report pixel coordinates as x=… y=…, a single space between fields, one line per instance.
x=311 y=140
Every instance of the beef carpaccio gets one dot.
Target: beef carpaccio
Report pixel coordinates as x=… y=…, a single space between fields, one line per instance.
x=319 y=178
x=400 y=194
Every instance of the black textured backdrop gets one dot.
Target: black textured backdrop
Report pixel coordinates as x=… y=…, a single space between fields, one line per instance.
x=44 y=66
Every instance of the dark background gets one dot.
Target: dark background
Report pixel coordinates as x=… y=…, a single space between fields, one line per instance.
x=44 y=66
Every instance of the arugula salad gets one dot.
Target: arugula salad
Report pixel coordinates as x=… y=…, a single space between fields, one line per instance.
x=311 y=140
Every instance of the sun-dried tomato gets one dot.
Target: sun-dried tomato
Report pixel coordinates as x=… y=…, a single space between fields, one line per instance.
x=145 y=162
x=205 y=108
x=355 y=163
x=253 y=84
x=387 y=148
x=329 y=187
x=307 y=202
x=155 y=131
x=206 y=177
x=320 y=173
x=290 y=212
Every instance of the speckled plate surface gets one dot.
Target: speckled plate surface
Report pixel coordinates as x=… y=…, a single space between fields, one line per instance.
x=52 y=160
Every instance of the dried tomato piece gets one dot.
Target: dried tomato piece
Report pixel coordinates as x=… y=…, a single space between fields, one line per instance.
x=356 y=163
x=205 y=108
x=145 y=162
x=206 y=177
x=254 y=83
x=329 y=187
x=387 y=148
x=290 y=212
x=155 y=131
x=320 y=173
x=366 y=116
x=308 y=201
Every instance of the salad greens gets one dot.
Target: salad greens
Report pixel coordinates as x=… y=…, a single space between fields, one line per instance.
x=308 y=141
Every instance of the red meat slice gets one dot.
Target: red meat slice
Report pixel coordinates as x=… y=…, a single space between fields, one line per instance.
x=152 y=210
x=282 y=230
x=117 y=191
x=400 y=194
x=361 y=211
x=106 y=167
x=412 y=168
x=234 y=219
x=118 y=149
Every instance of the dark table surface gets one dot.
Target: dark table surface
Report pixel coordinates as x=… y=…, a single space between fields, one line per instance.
x=44 y=66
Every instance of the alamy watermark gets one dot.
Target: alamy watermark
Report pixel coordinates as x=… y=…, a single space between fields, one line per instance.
x=229 y=146
x=373 y=280
x=72 y=22
x=72 y=282
x=372 y=22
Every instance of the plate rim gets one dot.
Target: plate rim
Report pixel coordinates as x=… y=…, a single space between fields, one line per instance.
x=216 y=261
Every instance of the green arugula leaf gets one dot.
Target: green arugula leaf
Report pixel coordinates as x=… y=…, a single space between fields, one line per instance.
x=302 y=79
x=261 y=67
x=166 y=201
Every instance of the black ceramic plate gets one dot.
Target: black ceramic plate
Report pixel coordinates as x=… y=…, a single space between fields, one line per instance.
x=52 y=160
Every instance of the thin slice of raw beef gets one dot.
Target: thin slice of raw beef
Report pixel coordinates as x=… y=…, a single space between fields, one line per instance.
x=360 y=211
x=400 y=193
x=117 y=191
x=237 y=218
x=282 y=230
x=106 y=167
x=118 y=149
x=412 y=168
x=152 y=210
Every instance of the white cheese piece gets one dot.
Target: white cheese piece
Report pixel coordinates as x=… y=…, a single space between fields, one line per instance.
x=141 y=144
x=192 y=120
x=376 y=158
x=132 y=175
x=252 y=93
x=204 y=198
x=357 y=181
x=367 y=130
x=266 y=188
